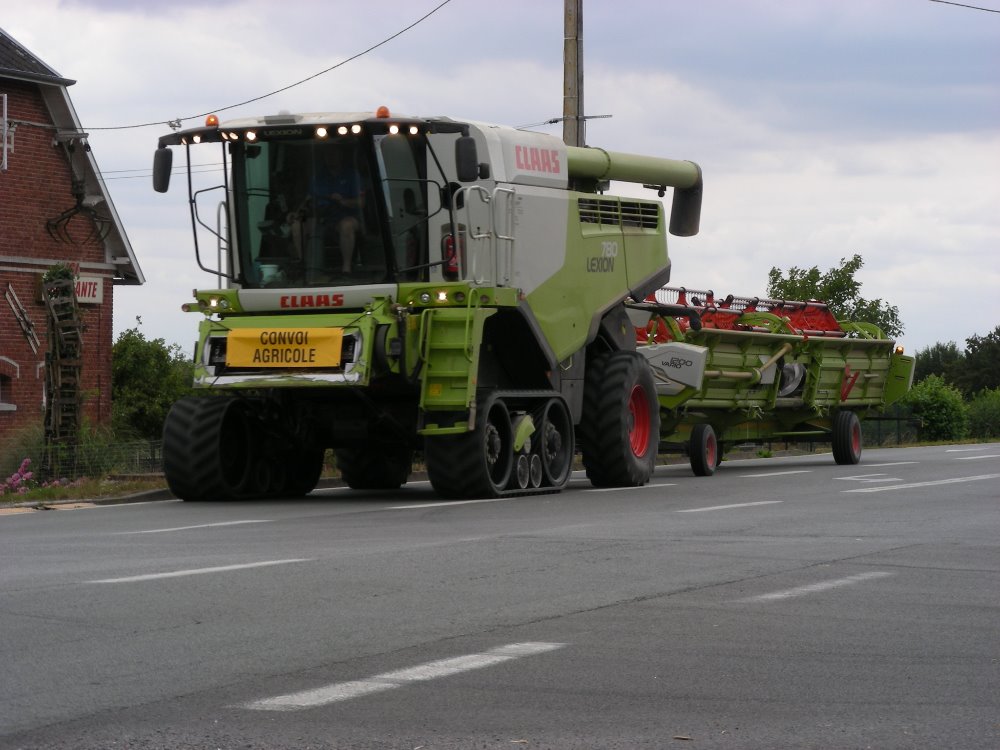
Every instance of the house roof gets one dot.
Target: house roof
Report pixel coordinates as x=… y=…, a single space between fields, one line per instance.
x=18 y=63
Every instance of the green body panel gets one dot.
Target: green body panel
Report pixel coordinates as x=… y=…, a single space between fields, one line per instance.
x=351 y=323
x=608 y=253
x=899 y=378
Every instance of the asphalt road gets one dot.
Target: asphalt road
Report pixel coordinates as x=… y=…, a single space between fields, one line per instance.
x=787 y=602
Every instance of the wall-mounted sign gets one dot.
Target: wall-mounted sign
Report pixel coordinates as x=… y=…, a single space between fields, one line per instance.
x=90 y=290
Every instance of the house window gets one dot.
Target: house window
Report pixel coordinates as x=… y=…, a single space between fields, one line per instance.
x=6 y=391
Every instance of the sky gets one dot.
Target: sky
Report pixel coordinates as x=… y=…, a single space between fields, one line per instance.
x=824 y=128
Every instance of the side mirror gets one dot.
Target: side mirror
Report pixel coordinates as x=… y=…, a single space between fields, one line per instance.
x=466 y=160
x=163 y=161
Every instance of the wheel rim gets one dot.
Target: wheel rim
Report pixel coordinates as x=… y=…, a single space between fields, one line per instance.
x=711 y=451
x=523 y=471
x=536 y=471
x=639 y=422
x=856 y=439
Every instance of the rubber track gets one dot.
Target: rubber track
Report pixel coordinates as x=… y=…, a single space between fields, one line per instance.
x=455 y=463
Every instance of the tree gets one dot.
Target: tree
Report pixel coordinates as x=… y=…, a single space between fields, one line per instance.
x=146 y=378
x=939 y=359
x=839 y=289
x=980 y=368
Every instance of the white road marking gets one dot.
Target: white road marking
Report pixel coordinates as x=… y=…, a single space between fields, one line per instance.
x=727 y=507
x=869 y=478
x=814 y=588
x=445 y=504
x=187 y=528
x=342 y=691
x=626 y=489
x=968 y=450
x=976 y=458
x=200 y=571
x=776 y=474
x=913 y=485
x=893 y=463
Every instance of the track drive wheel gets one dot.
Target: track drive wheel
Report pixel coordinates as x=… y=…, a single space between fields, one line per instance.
x=556 y=443
x=621 y=421
x=477 y=463
x=846 y=438
x=375 y=466
x=703 y=450
x=207 y=452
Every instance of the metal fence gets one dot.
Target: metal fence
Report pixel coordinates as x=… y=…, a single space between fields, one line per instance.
x=136 y=457
x=897 y=426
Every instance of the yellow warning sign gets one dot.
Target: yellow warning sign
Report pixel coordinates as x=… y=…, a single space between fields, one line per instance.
x=284 y=347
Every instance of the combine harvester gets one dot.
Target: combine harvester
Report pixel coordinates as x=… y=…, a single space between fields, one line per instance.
x=392 y=285
x=748 y=370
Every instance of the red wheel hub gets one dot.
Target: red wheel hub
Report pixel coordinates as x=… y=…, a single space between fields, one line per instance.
x=638 y=407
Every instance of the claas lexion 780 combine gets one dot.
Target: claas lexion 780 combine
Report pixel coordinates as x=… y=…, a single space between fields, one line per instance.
x=399 y=285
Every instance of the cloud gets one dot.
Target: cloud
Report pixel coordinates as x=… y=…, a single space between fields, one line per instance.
x=823 y=129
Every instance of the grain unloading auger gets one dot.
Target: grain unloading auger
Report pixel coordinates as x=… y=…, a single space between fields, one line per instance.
x=749 y=369
x=401 y=285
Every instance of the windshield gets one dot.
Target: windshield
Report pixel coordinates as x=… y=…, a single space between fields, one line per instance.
x=330 y=213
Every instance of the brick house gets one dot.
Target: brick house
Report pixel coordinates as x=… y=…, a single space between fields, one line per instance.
x=54 y=208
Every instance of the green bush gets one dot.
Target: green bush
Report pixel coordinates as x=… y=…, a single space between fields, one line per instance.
x=940 y=409
x=984 y=414
x=147 y=377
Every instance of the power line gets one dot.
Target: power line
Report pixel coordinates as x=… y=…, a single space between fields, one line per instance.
x=147 y=169
x=289 y=86
x=963 y=5
x=150 y=174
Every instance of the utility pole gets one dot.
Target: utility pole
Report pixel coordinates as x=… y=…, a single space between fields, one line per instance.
x=574 y=126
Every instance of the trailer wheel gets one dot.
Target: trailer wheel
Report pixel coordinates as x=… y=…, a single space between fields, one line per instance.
x=477 y=463
x=846 y=438
x=703 y=450
x=206 y=449
x=621 y=421
x=556 y=443
x=375 y=467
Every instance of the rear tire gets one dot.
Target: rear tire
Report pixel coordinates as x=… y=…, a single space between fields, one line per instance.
x=846 y=438
x=207 y=448
x=620 y=428
x=703 y=450
x=375 y=466
x=304 y=469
